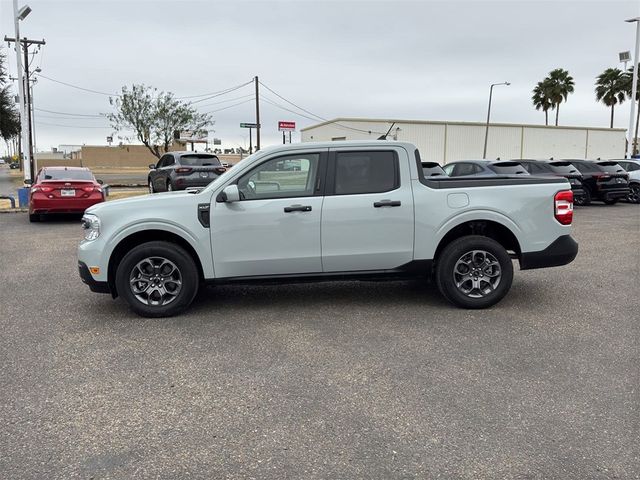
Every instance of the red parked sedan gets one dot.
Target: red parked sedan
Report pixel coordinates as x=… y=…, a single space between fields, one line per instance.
x=63 y=190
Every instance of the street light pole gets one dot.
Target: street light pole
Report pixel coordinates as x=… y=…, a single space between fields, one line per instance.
x=24 y=127
x=634 y=87
x=486 y=131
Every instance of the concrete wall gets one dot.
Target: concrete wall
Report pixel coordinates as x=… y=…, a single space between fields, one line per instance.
x=445 y=142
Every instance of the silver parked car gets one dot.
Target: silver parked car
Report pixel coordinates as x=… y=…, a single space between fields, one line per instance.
x=181 y=170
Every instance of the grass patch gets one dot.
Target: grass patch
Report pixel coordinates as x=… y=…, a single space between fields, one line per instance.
x=118 y=195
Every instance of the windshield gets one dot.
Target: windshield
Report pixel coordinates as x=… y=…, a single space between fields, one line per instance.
x=67 y=175
x=235 y=168
x=611 y=167
x=200 y=160
x=563 y=167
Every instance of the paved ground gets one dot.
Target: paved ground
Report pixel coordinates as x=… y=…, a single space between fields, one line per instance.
x=340 y=380
x=7 y=187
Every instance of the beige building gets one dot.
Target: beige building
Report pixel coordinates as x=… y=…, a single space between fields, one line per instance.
x=445 y=142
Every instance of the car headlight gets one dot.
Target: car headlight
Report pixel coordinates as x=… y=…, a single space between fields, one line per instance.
x=91 y=226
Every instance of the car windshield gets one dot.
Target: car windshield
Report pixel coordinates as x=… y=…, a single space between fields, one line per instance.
x=200 y=160
x=563 y=167
x=611 y=167
x=508 y=168
x=67 y=175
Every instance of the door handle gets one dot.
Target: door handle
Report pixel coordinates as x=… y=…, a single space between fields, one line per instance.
x=297 y=208
x=387 y=203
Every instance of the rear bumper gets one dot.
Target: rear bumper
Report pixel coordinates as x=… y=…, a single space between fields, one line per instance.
x=75 y=205
x=613 y=193
x=182 y=183
x=94 y=286
x=562 y=251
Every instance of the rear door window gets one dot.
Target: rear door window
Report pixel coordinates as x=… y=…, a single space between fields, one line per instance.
x=537 y=168
x=366 y=172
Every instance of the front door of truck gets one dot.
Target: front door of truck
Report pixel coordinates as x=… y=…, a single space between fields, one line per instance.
x=275 y=227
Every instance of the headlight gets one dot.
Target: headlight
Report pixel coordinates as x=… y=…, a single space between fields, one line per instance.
x=91 y=226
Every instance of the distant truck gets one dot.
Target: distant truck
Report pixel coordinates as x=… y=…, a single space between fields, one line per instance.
x=352 y=210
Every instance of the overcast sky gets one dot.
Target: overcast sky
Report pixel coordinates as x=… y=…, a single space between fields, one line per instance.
x=423 y=60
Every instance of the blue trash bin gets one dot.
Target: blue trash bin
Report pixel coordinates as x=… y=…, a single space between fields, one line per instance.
x=23 y=197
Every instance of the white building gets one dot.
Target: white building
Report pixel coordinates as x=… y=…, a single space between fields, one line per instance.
x=445 y=142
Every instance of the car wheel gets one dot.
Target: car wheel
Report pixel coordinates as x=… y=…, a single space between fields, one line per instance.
x=157 y=279
x=151 y=190
x=612 y=201
x=169 y=186
x=34 y=217
x=634 y=193
x=583 y=200
x=474 y=272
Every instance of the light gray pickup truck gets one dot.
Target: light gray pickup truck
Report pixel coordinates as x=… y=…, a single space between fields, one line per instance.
x=327 y=211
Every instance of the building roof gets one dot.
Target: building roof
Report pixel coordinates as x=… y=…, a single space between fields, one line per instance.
x=440 y=122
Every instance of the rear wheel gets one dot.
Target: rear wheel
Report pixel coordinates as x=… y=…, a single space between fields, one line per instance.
x=474 y=272
x=34 y=217
x=583 y=200
x=157 y=279
x=634 y=193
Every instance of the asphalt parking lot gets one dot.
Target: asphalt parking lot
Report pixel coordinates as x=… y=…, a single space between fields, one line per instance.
x=335 y=380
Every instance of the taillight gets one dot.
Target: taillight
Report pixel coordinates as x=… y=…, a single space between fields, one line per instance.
x=40 y=188
x=88 y=189
x=563 y=207
x=601 y=176
x=221 y=170
x=183 y=170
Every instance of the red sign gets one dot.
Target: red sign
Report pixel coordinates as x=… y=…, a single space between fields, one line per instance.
x=286 y=126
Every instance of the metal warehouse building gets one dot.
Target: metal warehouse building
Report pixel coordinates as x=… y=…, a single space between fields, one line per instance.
x=445 y=142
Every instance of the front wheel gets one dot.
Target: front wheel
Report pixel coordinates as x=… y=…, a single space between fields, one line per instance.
x=474 y=272
x=584 y=199
x=157 y=279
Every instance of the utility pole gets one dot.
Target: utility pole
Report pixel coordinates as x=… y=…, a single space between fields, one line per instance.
x=255 y=79
x=634 y=88
x=25 y=99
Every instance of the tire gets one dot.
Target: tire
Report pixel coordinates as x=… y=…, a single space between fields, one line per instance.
x=34 y=217
x=611 y=201
x=584 y=200
x=634 y=193
x=151 y=190
x=494 y=279
x=160 y=262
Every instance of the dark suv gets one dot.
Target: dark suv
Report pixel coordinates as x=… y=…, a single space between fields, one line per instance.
x=605 y=180
x=483 y=168
x=557 y=169
x=181 y=170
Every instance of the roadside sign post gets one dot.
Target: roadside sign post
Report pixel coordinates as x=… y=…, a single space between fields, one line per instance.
x=286 y=127
x=250 y=126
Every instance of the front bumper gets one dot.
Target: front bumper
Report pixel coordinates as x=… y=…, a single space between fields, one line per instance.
x=562 y=251
x=94 y=285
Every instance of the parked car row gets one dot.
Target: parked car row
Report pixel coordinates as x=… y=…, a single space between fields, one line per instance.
x=605 y=180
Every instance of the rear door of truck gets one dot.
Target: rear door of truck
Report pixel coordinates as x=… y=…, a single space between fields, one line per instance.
x=367 y=215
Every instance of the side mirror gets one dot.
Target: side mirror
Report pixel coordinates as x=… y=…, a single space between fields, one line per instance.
x=230 y=194
x=152 y=166
x=100 y=181
x=28 y=181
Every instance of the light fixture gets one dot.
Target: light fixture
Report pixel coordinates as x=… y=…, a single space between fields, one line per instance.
x=23 y=12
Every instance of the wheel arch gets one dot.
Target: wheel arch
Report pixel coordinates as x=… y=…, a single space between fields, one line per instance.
x=487 y=228
x=143 y=236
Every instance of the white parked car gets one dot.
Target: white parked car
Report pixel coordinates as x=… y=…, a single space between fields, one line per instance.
x=632 y=166
x=356 y=210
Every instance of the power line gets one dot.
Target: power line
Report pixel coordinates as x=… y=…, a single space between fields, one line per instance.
x=317 y=116
x=79 y=88
x=68 y=113
x=231 y=106
x=70 y=126
x=223 y=92
x=210 y=93
x=225 y=101
x=58 y=117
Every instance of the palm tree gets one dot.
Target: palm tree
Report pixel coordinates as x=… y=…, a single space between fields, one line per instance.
x=541 y=100
x=9 y=117
x=560 y=86
x=611 y=88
